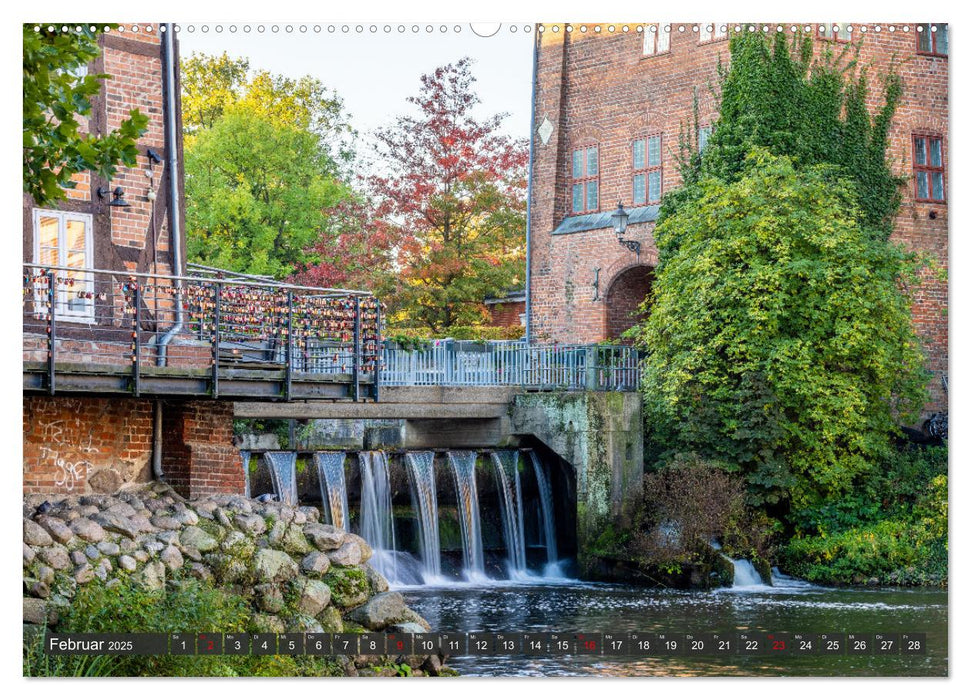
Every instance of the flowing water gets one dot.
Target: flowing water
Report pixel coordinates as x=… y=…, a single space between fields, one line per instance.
x=789 y=607
x=546 y=506
x=244 y=456
x=333 y=491
x=511 y=504
x=421 y=476
x=377 y=517
x=463 y=469
x=283 y=475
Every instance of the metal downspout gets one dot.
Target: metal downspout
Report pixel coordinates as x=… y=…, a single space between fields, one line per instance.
x=172 y=162
x=529 y=196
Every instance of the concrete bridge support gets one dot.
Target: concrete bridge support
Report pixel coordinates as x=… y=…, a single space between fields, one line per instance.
x=601 y=435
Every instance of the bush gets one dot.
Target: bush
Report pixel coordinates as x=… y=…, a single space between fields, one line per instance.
x=183 y=606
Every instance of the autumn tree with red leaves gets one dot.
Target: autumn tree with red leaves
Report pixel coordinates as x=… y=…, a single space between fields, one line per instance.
x=452 y=194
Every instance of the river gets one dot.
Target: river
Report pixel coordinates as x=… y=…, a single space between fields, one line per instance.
x=792 y=607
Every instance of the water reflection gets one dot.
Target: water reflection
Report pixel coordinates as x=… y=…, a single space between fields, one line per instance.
x=793 y=607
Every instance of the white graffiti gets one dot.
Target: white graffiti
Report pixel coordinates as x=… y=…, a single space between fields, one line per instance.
x=71 y=473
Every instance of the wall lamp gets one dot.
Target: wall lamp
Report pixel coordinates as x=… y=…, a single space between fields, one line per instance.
x=619 y=219
x=118 y=199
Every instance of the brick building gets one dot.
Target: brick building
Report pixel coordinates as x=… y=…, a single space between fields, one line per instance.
x=79 y=441
x=609 y=107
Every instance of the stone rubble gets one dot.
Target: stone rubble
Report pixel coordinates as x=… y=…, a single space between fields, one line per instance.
x=298 y=573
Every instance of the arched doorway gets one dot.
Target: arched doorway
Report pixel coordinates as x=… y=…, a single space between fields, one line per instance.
x=624 y=298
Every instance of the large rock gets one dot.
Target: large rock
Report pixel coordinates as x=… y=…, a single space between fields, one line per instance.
x=57 y=528
x=172 y=558
x=35 y=535
x=269 y=597
x=127 y=563
x=362 y=545
x=113 y=522
x=165 y=522
x=312 y=597
x=379 y=612
x=379 y=584
x=30 y=555
x=35 y=611
x=294 y=541
x=197 y=537
x=153 y=576
x=272 y=565
x=87 y=530
x=324 y=537
x=349 y=554
x=315 y=563
x=253 y=524
x=55 y=556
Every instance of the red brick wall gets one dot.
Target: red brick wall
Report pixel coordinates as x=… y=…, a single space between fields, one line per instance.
x=84 y=445
x=508 y=314
x=599 y=88
x=624 y=299
x=198 y=456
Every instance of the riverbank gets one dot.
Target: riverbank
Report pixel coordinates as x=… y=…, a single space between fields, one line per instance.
x=147 y=560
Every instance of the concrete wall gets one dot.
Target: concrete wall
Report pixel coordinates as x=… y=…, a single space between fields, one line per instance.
x=601 y=435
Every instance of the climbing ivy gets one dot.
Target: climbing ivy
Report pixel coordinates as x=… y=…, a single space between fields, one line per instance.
x=776 y=96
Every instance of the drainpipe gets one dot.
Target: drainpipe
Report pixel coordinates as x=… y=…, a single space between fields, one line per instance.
x=157 y=472
x=172 y=162
x=529 y=196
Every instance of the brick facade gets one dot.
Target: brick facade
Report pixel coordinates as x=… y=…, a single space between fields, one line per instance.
x=85 y=445
x=507 y=314
x=198 y=455
x=598 y=88
x=133 y=238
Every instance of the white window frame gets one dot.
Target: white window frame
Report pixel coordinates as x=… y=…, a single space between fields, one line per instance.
x=656 y=41
x=62 y=309
x=712 y=31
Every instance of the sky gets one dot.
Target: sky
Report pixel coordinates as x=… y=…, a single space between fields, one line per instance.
x=375 y=72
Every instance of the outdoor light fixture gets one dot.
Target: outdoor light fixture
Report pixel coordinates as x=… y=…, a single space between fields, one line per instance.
x=619 y=219
x=118 y=200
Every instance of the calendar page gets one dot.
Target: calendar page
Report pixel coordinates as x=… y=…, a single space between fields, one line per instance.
x=508 y=349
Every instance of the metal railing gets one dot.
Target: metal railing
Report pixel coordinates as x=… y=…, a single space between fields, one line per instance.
x=116 y=321
x=512 y=363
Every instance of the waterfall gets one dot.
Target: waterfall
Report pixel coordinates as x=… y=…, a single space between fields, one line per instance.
x=546 y=505
x=463 y=468
x=421 y=473
x=507 y=472
x=745 y=574
x=245 y=456
x=333 y=492
x=283 y=475
x=377 y=517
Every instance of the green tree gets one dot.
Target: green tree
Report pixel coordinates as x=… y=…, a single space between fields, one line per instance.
x=257 y=194
x=775 y=96
x=452 y=191
x=212 y=85
x=55 y=96
x=779 y=342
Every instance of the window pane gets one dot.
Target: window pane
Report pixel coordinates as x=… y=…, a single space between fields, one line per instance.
x=654 y=186
x=593 y=165
x=75 y=258
x=937 y=186
x=47 y=236
x=844 y=32
x=703 y=134
x=663 y=40
x=577 y=198
x=924 y=37
x=720 y=30
x=941 y=39
x=654 y=151
x=650 y=39
x=935 y=152
x=704 y=32
x=920 y=151
x=48 y=256
x=639 y=154
x=577 y=165
x=75 y=234
x=921 y=185
x=640 y=189
x=592 y=196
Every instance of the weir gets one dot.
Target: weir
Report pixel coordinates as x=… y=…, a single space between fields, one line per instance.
x=424 y=527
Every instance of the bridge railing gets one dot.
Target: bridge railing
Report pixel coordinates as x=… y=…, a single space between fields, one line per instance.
x=512 y=363
x=116 y=322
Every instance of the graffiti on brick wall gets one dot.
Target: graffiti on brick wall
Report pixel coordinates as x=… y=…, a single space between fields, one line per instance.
x=67 y=455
